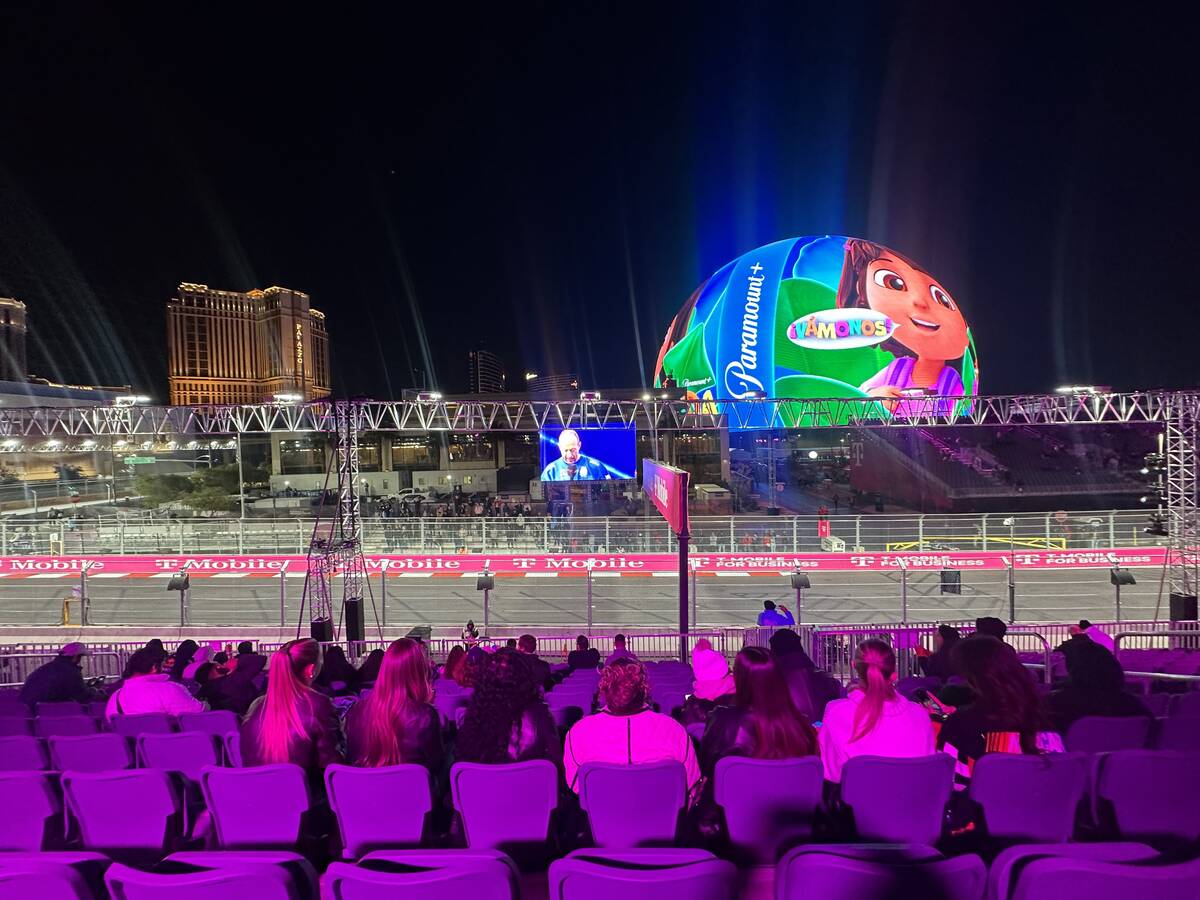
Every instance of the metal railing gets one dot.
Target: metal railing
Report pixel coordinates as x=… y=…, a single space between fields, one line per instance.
x=542 y=534
x=16 y=666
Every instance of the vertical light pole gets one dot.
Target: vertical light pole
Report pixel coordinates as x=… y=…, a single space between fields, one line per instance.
x=241 y=480
x=1011 y=522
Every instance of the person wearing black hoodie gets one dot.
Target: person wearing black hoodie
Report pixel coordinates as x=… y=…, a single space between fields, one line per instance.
x=937 y=664
x=1095 y=686
x=810 y=688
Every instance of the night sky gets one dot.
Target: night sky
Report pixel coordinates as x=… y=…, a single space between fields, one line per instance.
x=553 y=180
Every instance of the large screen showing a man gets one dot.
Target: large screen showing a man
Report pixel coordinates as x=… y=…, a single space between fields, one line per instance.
x=564 y=459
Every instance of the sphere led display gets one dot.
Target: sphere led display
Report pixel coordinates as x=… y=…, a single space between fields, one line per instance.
x=824 y=317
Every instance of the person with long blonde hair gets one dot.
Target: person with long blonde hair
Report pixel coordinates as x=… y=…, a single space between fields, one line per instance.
x=396 y=723
x=874 y=720
x=291 y=722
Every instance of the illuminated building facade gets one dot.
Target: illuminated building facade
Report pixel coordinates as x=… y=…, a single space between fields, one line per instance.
x=231 y=347
x=12 y=340
x=486 y=373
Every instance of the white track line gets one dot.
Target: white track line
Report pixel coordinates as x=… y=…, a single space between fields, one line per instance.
x=732 y=574
x=108 y=575
x=51 y=575
x=229 y=575
x=416 y=574
x=541 y=574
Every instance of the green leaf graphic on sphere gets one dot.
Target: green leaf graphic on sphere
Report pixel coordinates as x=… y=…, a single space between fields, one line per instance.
x=798 y=297
x=815 y=387
x=687 y=361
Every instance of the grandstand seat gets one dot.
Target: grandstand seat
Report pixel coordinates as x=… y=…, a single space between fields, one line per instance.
x=32 y=817
x=1187 y=704
x=769 y=804
x=588 y=874
x=49 y=726
x=186 y=753
x=897 y=800
x=1148 y=795
x=1029 y=798
x=213 y=721
x=1010 y=861
x=447 y=704
x=908 y=687
x=1177 y=733
x=566 y=715
x=256 y=808
x=1056 y=877
x=423 y=875
x=667 y=698
x=33 y=877
x=97 y=709
x=142 y=723
x=12 y=706
x=633 y=806
x=60 y=708
x=22 y=753
x=232 y=745
x=301 y=868
x=515 y=828
x=1102 y=734
x=1158 y=704
x=382 y=807
x=242 y=879
x=133 y=813
x=89 y=752
x=804 y=875
x=15 y=725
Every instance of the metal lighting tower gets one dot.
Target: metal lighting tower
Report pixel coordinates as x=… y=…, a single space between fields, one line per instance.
x=1182 y=441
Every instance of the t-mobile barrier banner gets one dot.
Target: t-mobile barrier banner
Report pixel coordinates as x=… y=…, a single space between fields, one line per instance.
x=667 y=488
x=628 y=563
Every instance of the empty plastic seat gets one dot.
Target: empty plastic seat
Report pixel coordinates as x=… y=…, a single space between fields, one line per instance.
x=241 y=879
x=21 y=753
x=10 y=725
x=130 y=810
x=1029 y=798
x=213 y=721
x=1148 y=795
x=641 y=875
x=60 y=708
x=1187 y=704
x=898 y=800
x=769 y=803
x=1178 y=733
x=258 y=807
x=1010 y=861
x=12 y=706
x=805 y=875
x=187 y=752
x=142 y=723
x=375 y=808
x=49 y=726
x=43 y=879
x=1101 y=734
x=489 y=823
x=1056 y=877
x=32 y=817
x=910 y=686
x=423 y=875
x=302 y=870
x=89 y=752
x=633 y=806
x=232 y=744
x=1158 y=704
x=448 y=704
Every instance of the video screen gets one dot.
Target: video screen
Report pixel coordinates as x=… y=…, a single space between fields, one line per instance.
x=588 y=454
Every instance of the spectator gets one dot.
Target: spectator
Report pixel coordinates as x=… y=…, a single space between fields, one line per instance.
x=763 y=722
x=396 y=723
x=337 y=677
x=713 y=685
x=507 y=719
x=937 y=665
x=246 y=649
x=58 y=680
x=292 y=723
x=148 y=690
x=990 y=626
x=1095 y=686
x=811 y=688
x=626 y=730
x=527 y=646
x=619 y=651
x=510 y=644
x=1005 y=715
x=237 y=690
x=1100 y=637
x=873 y=720
x=369 y=670
x=456 y=664
x=774 y=616
x=202 y=656
x=584 y=656
x=470 y=634
x=183 y=658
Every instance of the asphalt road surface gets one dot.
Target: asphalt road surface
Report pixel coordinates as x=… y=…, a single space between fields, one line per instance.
x=835 y=598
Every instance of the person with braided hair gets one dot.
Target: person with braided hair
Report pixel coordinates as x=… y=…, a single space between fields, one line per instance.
x=507 y=719
x=873 y=720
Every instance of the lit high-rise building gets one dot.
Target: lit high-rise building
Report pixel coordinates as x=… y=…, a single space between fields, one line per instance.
x=230 y=347
x=12 y=340
x=551 y=384
x=486 y=373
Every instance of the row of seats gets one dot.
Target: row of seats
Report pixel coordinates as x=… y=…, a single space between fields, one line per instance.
x=1100 y=872
x=185 y=751
x=211 y=721
x=767 y=805
x=1101 y=734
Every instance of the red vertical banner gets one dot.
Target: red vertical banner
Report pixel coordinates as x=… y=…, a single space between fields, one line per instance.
x=824 y=529
x=667 y=488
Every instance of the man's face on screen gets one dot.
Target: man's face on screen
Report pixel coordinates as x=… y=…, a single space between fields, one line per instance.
x=569 y=445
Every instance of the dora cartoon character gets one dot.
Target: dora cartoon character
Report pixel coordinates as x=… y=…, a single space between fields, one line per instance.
x=930 y=330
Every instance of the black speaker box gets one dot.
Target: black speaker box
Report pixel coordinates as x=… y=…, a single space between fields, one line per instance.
x=355 y=631
x=1183 y=607
x=321 y=630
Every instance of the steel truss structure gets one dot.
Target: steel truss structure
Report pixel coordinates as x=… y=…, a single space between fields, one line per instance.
x=1178 y=411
